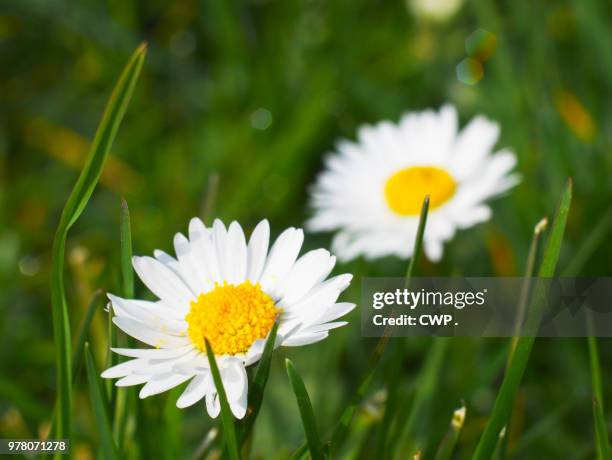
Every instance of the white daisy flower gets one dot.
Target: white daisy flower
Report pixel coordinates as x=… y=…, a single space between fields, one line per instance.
x=229 y=292
x=372 y=190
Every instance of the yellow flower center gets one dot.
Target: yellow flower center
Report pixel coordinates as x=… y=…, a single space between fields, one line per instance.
x=406 y=189
x=231 y=317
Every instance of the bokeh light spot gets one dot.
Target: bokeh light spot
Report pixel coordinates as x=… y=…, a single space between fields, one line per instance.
x=481 y=45
x=469 y=71
x=261 y=119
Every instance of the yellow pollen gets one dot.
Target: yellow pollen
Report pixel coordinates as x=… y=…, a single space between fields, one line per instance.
x=231 y=317
x=406 y=189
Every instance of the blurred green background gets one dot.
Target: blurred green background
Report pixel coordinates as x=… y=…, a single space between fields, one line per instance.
x=245 y=98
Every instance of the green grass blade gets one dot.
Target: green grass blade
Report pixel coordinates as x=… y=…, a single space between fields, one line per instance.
x=229 y=430
x=425 y=394
x=529 y=270
x=339 y=434
x=77 y=201
x=258 y=385
x=127 y=273
x=391 y=404
x=123 y=395
x=84 y=333
x=100 y=408
x=418 y=242
x=512 y=379
x=589 y=245
x=447 y=446
x=306 y=413
x=601 y=432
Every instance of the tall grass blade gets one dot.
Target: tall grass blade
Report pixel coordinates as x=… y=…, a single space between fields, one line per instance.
x=601 y=432
x=425 y=394
x=447 y=446
x=127 y=273
x=227 y=419
x=589 y=245
x=340 y=431
x=512 y=379
x=84 y=333
x=258 y=385
x=121 y=413
x=100 y=408
x=75 y=205
x=306 y=412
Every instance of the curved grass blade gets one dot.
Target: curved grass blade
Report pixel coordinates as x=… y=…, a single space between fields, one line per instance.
x=512 y=379
x=258 y=386
x=447 y=446
x=75 y=205
x=229 y=430
x=304 y=405
x=601 y=432
x=98 y=401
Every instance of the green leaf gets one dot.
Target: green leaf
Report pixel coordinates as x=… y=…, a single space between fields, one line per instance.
x=339 y=434
x=447 y=446
x=512 y=379
x=99 y=404
x=306 y=412
x=601 y=432
x=229 y=431
x=258 y=385
x=75 y=205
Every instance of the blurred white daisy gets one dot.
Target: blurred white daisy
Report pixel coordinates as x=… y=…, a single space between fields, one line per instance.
x=434 y=10
x=229 y=292
x=372 y=190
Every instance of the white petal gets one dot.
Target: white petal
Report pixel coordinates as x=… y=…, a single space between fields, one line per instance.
x=325 y=327
x=220 y=246
x=213 y=405
x=132 y=379
x=152 y=314
x=201 y=242
x=257 y=250
x=160 y=383
x=282 y=256
x=336 y=311
x=163 y=282
x=196 y=390
x=149 y=336
x=309 y=270
x=238 y=406
x=433 y=250
x=236 y=254
x=122 y=369
x=298 y=340
x=316 y=303
x=234 y=380
x=191 y=265
x=153 y=353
